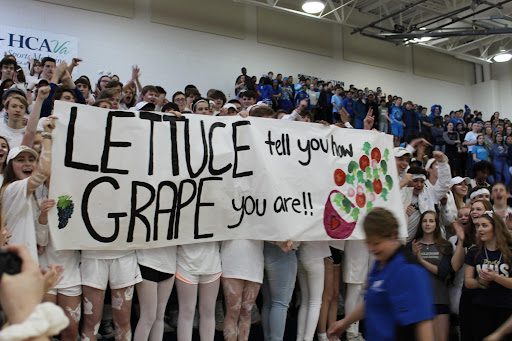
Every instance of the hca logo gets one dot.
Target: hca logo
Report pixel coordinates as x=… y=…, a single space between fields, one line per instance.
x=37 y=44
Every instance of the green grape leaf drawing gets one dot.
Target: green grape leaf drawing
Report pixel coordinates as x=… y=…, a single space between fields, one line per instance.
x=369 y=186
x=360 y=176
x=366 y=148
x=352 y=166
x=368 y=172
x=384 y=194
x=386 y=154
x=389 y=181
x=350 y=179
x=376 y=173
x=384 y=166
x=355 y=213
x=369 y=206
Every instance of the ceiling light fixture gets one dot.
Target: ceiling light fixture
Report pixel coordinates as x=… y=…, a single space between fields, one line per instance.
x=313 y=6
x=503 y=57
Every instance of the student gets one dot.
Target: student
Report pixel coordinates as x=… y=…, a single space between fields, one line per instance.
x=4 y=151
x=332 y=278
x=435 y=254
x=23 y=175
x=488 y=274
x=467 y=314
x=157 y=268
x=247 y=98
x=14 y=128
x=499 y=154
x=480 y=152
x=337 y=104
x=198 y=272
x=242 y=276
x=397 y=124
x=398 y=303
x=311 y=280
x=499 y=196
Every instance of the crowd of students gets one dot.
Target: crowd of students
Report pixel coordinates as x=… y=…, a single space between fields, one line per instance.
x=454 y=198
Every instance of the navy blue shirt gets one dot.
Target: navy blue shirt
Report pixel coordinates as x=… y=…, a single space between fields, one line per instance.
x=398 y=296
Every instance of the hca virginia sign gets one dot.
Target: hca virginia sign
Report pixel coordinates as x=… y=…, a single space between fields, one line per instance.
x=25 y=44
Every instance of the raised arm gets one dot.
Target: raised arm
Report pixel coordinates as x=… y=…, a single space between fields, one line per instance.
x=43 y=168
x=33 y=119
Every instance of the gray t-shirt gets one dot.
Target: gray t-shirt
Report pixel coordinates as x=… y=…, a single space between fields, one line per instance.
x=432 y=254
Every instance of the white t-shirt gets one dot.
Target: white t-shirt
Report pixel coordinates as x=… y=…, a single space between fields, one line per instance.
x=199 y=259
x=20 y=215
x=470 y=136
x=162 y=259
x=242 y=259
x=13 y=136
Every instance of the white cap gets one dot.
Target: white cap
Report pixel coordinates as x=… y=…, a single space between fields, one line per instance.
x=429 y=164
x=230 y=106
x=400 y=151
x=458 y=179
x=18 y=150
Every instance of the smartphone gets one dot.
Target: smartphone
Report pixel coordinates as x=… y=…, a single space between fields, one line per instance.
x=10 y=263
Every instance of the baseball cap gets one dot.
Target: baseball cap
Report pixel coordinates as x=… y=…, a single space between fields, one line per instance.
x=458 y=179
x=13 y=153
x=400 y=151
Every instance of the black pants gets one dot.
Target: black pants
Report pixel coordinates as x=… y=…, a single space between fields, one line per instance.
x=466 y=319
x=488 y=319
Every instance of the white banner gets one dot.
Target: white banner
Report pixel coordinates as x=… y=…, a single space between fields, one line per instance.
x=26 y=43
x=130 y=180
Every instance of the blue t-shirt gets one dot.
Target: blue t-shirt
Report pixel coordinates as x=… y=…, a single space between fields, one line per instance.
x=266 y=92
x=399 y=295
x=481 y=152
x=348 y=104
x=337 y=102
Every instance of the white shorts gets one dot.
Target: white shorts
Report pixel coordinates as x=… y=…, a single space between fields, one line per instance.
x=355 y=262
x=73 y=291
x=119 y=272
x=189 y=278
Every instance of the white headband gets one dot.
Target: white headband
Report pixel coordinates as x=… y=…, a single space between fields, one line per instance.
x=481 y=191
x=419 y=176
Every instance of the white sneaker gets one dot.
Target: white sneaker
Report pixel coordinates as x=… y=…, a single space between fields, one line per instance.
x=355 y=337
x=322 y=337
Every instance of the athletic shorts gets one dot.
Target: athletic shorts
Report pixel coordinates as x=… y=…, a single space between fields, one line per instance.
x=73 y=291
x=119 y=272
x=442 y=309
x=355 y=262
x=153 y=275
x=336 y=256
x=188 y=278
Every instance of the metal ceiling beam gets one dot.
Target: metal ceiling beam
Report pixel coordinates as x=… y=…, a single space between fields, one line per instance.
x=471 y=45
x=469 y=15
x=449 y=33
x=406 y=7
x=338 y=8
x=373 y=6
x=284 y=9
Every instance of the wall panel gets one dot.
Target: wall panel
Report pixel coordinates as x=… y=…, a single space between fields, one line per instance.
x=365 y=50
x=222 y=17
x=123 y=8
x=293 y=32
